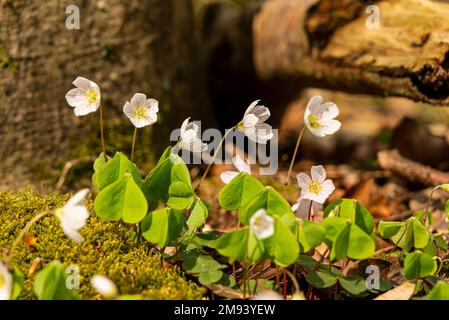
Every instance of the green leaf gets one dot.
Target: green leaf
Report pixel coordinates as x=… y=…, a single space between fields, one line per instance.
x=441 y=242
x=206 y=267
x=446 y=206
x=121 y=200
x=309 y=235
x=273 y=202
x=18 y=279
x=198 y=215
x=418 y=265
x=163 y=226
x=439 y=292
x=387 y=229
x=411 y=235
x=50 y=283
x=352 y=210
x=282 y=246
x=240 y=245
x=239 y=191
x=348 y=240
x=98 y=164
x=321 y=279
x=181 y=195
x=180 y=172
x=355 y=285
x=115 y=169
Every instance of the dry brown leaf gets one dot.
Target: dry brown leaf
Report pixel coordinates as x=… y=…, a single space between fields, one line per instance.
x=402 y=292
x=225 y=292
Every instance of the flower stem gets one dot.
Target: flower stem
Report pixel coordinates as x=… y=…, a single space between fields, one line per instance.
x=294 y=155
x=428 y=204
x=213 y=157
x=134 y=144
x=102 y=134
x=22 y=233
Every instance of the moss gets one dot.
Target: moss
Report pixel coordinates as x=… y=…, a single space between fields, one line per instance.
x=6 y=61
x=110 y=249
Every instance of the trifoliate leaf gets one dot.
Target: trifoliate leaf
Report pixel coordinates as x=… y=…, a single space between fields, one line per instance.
x=418 y=265
x=309 y=235
x=439 y=292
x=240 y=245
x=50 y=283
x=282 y=246
x=115 y=169
x=239 y=191
x=198 y=215
x=163 y=226
x=352 y=210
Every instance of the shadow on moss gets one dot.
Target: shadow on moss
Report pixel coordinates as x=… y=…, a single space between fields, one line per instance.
x=110 y=249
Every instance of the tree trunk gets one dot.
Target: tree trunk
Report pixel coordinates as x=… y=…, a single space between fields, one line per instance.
x=126 y=46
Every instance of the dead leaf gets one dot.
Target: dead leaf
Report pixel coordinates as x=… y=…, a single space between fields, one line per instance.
x=225 y=292
x=402 y=292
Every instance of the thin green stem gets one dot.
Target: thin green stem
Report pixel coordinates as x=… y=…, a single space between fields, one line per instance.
x=428 y=205
x=294 y=155
x=103 y=146
x=22 y=233
x=294 y=280
x=134 y=144
x=213 y=157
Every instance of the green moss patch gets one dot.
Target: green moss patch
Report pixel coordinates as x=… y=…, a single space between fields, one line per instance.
x=110 y=249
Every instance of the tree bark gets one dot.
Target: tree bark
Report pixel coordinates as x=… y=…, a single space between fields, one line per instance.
x=125 y=46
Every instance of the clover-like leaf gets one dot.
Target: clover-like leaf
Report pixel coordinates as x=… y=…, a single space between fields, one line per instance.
x=321 y=279
x=163 y=226
x=418 y=265
x=412 y=234
x=198 y=215
x=282 y=246
x=239 y=191
x=115 y=169
x=240 y=245
x=355 y=285
x=18 y=279
x=352 y=210
x=50 y=283
x=181 y=196
x=439 y=292
x=208 y=269
x=121 y=200
x=309 y=235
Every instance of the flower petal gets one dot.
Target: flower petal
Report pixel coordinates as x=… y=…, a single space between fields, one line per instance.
x=227 y=176
x=314 y=104
x=303 y=180
x=138 y=99
x=184 y=126
x=78 y=198
x=75 y=97
x=318 y=173
x=331 y=111
x=329 y=127
x=83 y=83
x=153 y=104
x=241 y=164
x=251 y=107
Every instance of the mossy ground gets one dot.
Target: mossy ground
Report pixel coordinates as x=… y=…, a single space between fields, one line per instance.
x=110 y=249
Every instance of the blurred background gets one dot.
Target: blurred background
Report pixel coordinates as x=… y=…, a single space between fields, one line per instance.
x=209 y=59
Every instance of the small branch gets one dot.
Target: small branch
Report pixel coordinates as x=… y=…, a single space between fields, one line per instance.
x=68 y=166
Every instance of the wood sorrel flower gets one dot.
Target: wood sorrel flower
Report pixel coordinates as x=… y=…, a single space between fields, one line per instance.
x=5 y=283
x=104 y=286
x=85 y=98
x=262 y=224
x=190 y=137
x=253 y=123
x=73 y=215
x=141 y=111
x=240 y=164
x=317 y=188
x=319 y=117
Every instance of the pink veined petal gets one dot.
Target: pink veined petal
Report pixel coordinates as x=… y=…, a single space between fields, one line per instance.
x=241 y=164
x=329 y=127
x=227 y=176
x=152 y=117
x=184 y=125
x=303 y=180
x=83 y=110
x=250 y=121
x=318 y=173
x=331 y=111
x=128 y=109
x=314 y=103
x=262 y=113
x=305 y=194
x=251 y=106
x=75 y=97
x=327 y=187
x=138 y=99
x=82 y=83
x=303 y=207
x=153 y=104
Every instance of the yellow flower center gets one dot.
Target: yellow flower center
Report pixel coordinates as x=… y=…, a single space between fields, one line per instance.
x=314 y=121
x=2 y=280
x=91 y=96
x=314 y=187
x=140 y=113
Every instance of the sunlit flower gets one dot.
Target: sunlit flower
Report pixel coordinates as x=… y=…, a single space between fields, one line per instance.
x=267 y=295
x=73 y=215
x=104 y=286
x=85 y=98
x=5 y=283
x=305 y=208
x=262 y=224
x=319 y=117
x=253 y=123
x=141 y=111
x=317 y=188
x=190 y=137
x=240 y=164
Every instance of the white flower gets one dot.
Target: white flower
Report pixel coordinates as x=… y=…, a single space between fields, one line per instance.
x=262 y=224
x=317 y=188
x=73 y=215
x=319 y=117
x=305 y=208
x=253 y=123
x=5 y=283
x=240 y=164
x=104 y=286
x=141 y=111
x=190 y=137
x=267 y=295
x=85 y=98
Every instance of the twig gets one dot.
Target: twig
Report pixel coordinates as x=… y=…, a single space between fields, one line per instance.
x=68 y=166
